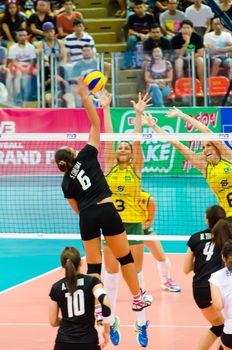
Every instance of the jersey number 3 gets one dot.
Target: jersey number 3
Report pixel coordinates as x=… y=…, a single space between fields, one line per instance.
x=208 y=250
x=75 y=303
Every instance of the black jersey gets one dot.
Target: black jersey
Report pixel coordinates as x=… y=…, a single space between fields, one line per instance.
x=86 y=182
x=77 y=309
x=207 y=257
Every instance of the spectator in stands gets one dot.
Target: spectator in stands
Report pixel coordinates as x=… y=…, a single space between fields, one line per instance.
x=75 y=41
x=37 y=19
x=219 y=42
x=64 y=21
x=3 y=64
x=182 y=43
x=156 y=39
x=50 y=45
x=21 y=67
x=200 y=15
x=226 y=7
x=157 y=7
x=171 y=19
x=158 y=76
x=139 y=25
x=27 y=6
x=122 y=11
x=11 y=21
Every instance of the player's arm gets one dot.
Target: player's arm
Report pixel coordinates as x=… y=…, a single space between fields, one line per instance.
x=221 y=146
x=216 y=297
x=196 y=159
x=151 y=209
x=73 y=204
x=139 y=107
x=189 y=261
x=54 y=318
x=94 y=133
x=109 y=154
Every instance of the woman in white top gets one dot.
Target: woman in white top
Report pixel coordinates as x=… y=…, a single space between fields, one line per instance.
x=221 y=293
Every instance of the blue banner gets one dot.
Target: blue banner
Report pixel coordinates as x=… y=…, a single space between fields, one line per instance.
x=226 y=122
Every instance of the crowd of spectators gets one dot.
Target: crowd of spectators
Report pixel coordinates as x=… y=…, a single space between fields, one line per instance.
x=166 y=31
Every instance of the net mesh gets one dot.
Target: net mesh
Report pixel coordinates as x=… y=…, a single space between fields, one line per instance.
x=33 y=205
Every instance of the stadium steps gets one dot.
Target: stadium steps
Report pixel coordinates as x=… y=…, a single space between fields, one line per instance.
x=104 y=38
x=95 y=12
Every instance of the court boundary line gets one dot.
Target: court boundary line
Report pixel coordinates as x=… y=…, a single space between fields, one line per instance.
x=53 y=270
x=33 y=279
x=121 y=325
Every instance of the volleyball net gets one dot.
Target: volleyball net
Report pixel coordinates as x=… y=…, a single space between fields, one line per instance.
x=32 y=201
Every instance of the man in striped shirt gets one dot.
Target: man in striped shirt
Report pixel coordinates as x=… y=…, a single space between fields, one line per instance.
x=75 y=41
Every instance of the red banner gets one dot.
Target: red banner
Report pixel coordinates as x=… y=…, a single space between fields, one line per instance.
x=34 y=157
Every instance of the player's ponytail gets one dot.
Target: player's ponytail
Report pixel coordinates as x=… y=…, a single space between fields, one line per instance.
x=227 y=254
x=221 y=233
x=213 y=214
x=70 y=261
x=64 y=158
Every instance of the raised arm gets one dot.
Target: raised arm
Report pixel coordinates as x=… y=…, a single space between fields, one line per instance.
x=225 y=152
x=109 y=154
x=94 y=133
x=197 y=160
x=138 y=158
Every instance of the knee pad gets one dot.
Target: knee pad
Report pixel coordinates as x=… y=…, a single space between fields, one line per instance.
x=217 y=330
x=94 y=268
x=127 y=259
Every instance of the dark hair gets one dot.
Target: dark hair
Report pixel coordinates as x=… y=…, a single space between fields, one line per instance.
x=221 y=233
x=64 y=159
x=213 y=214
x=70 y=261
x=187 y=22
x=227 y=254
x=138 y=2
x=64 y=1
x=155 y=26
x=7 y=17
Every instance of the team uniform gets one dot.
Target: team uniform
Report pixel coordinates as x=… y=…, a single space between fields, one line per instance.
x=207 y=260
x=77 y=330
x=86 y=183
x=143 y=203
x=219 y=179
x=126 y=187
x=223 y=280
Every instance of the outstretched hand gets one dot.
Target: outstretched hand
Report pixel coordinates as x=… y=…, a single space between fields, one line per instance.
x=147 y=119
x=82 y=89
x=174 y=112
x=105 y=99
x=143 y=102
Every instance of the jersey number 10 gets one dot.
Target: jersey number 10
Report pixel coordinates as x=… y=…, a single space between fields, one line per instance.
x=75 y=303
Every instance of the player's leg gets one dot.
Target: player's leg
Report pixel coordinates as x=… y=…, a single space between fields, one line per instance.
x=111 y=281
x=163 y=262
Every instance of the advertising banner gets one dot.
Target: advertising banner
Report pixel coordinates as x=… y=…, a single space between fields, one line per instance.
x=161 y=158
x=33 y=157
x=226 y=120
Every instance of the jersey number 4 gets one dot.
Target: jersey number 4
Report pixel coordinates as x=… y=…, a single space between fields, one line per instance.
x=208 y=250
x=75 y=303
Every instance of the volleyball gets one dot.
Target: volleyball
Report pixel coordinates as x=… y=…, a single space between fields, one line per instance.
x=94 y=80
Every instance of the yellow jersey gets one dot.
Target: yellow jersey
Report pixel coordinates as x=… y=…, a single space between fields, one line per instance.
x=125 y=186
x=219 y=178
x=144 y=200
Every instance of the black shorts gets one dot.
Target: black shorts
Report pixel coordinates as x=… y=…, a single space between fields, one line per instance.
x=76 y=346
x=202 y=297
x=226 y=340
x=100 y=218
